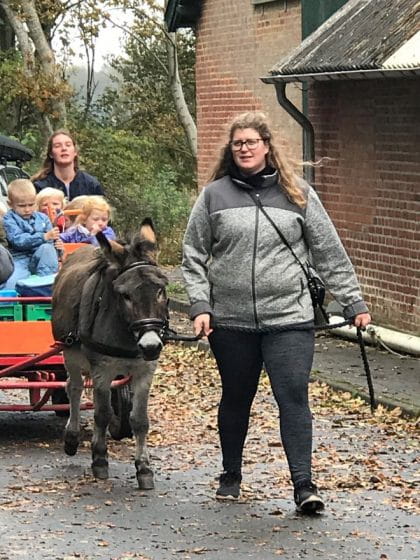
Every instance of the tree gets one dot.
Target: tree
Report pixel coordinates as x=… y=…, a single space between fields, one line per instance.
x=147 y=15
x=142 y=100
x=6 y=32
x=181 y=105
x=42 y=84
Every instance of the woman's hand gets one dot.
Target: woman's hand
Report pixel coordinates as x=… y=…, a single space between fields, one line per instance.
x=362 y=320
x=202 y=324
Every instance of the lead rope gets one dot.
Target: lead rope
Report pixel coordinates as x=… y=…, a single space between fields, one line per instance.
x=172 y=335
x=362 y=346
x=361 y=342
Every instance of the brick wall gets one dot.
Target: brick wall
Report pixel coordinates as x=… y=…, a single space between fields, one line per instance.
x=371 y=187
x=237 y=43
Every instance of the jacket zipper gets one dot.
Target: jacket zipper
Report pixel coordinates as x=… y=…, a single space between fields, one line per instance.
x=254 y=258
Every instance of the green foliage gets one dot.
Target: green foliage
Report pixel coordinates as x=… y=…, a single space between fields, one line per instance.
x=141 y=100
x=176 y=290
x=10 y=68
x=155 y=168
x=131 y=139
x=137 y=185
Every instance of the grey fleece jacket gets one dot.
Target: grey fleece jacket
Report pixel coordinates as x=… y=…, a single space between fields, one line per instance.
x=237 y=268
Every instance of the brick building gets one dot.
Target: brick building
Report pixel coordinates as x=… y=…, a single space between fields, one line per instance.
x=361 y=69
x=237 y=42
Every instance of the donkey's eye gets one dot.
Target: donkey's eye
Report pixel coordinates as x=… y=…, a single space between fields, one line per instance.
x=126 y=298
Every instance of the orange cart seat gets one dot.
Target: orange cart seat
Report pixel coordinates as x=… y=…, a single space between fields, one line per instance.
x=69 y=248
x=25 y=337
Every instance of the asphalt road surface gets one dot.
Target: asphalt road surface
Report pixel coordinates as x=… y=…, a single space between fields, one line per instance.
x=52 y=509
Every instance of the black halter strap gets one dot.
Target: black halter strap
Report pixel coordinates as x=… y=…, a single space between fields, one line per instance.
x=135 y=265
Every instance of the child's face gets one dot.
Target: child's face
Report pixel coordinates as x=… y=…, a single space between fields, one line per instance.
x=24 y=205
x=97 y=220
x=53 y=202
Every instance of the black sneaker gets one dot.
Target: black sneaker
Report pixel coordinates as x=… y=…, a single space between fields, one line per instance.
x=229 y=486
x=307 y=499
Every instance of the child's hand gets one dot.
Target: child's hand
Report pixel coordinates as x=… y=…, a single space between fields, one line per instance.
x=95 y=228
x=52 y=234
x=59 y=244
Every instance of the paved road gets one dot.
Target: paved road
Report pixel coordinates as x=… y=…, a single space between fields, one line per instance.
x=51 y=508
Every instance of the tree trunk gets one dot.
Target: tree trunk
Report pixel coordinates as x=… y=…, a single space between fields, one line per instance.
x=181 y=106
x=31 y=37
x=45 y=55
x=7 y=36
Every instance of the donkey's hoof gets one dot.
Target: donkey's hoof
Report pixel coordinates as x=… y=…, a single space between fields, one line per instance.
x=145 y=478
x=100 y=469
x=145 y=481
x=100 y=472
x=71 y=443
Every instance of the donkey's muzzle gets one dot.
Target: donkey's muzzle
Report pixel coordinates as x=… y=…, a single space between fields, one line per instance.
x=150 y=345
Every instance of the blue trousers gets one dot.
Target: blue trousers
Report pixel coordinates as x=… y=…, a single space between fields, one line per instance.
x=43 y=261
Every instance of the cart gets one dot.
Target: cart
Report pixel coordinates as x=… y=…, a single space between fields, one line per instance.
x=31 y=360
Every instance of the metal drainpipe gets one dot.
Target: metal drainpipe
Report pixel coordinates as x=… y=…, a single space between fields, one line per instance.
x=308 y=130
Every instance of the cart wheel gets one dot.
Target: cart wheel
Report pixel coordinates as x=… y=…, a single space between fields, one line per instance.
x=121 y=402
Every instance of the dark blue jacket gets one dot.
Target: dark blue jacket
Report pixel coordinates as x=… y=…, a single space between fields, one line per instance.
x=82 y=184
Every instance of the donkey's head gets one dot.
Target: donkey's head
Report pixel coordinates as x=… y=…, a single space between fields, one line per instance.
x=139 y=286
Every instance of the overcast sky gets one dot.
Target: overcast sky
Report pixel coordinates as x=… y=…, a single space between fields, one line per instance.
x=110 y=41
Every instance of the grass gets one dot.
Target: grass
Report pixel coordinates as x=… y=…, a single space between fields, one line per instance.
x=176 y=290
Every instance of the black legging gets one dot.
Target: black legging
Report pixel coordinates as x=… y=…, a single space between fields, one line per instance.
x=287 y=356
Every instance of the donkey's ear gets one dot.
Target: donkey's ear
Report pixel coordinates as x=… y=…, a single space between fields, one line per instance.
x=147 y=230
x=112 y=250
x=144 y=242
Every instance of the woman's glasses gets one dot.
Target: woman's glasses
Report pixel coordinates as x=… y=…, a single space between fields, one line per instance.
x=250 y=143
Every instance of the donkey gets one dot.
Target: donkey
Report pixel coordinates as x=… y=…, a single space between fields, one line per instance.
x=110 y=305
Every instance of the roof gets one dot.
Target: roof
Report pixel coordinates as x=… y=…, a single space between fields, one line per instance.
x=363 y=39
x=182 y=13
x=11 y=150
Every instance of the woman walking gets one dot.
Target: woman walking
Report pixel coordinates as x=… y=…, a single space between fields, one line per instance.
x=250 y=296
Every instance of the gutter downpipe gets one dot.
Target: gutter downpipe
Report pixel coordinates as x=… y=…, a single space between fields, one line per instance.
x=307 y=129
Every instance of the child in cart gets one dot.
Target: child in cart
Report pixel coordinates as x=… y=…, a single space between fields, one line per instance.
x=72 y=210
x=29 y=233
x=95 y=213
x=51 y=202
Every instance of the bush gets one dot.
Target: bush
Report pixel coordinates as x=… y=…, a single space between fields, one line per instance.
x=138 y=185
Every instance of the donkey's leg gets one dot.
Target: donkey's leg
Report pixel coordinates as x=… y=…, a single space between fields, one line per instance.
x=75 y=363
x=139 y=419
x=102 y=375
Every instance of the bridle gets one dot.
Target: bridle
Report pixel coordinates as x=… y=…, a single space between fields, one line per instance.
x=154 y=324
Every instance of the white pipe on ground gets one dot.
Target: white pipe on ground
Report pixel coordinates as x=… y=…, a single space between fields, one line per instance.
x=401 y=342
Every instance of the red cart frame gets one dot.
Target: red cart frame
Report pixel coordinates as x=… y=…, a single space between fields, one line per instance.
x=31 y=359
